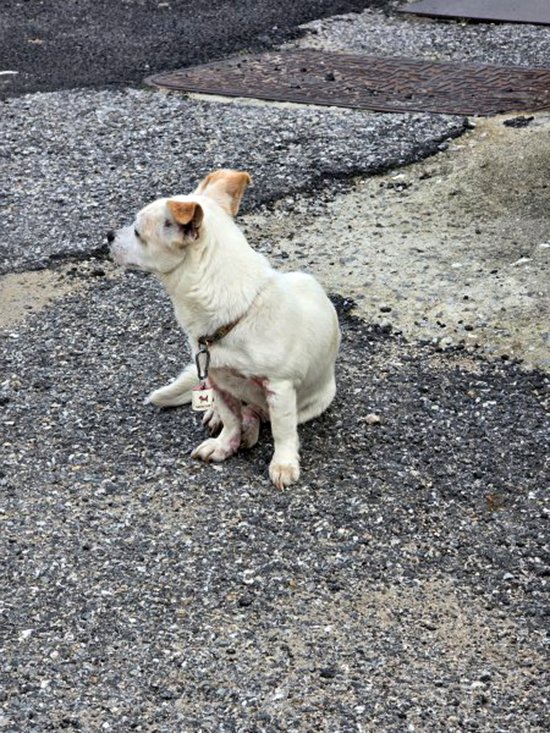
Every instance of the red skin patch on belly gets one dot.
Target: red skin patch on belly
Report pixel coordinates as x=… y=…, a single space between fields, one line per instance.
x=235 y=404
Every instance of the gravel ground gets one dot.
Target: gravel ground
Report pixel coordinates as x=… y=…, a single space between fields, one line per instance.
x=399 y=586
x=371 y=32
x=79 y=163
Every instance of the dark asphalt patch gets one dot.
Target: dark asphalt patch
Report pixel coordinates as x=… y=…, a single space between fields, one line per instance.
x=311 y=76
x=402 y=579
x=75 y=43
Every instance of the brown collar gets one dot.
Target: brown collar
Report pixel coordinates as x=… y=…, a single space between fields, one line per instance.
x=207 y=341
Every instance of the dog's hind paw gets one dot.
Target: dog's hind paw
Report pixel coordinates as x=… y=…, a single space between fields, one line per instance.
x=284 y=474
x=214 y=450
x=212 y=421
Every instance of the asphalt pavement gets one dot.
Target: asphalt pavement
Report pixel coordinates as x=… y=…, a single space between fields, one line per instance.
x=401 y=584
x=95 y=157
x=76 y=43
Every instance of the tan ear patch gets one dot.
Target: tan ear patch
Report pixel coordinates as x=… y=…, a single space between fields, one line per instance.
x=226 y=187
x=185 y=212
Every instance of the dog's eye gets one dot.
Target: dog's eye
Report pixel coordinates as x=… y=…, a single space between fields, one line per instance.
x=140 y=238
x=167 y=223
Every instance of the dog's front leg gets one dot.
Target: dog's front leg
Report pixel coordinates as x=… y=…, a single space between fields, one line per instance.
x=177 y=392
x=284 y=468
x=228 y=441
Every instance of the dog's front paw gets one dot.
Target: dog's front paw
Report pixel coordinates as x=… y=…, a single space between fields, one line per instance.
x=213 y=449
x=168 y=397
x=284 y=474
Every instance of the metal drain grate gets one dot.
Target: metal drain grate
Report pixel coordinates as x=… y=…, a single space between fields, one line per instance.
x=368 y=82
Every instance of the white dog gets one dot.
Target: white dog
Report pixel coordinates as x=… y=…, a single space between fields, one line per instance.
x=270 y=338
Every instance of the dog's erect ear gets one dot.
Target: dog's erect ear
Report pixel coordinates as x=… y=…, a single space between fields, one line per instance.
x=188 y=215
x=185 y=212
x=226 y=187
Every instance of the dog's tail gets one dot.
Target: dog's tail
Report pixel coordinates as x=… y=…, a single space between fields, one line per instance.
x=313 y=404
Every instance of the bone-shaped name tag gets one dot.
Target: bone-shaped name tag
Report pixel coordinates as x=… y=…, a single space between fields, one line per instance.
x=202 y=398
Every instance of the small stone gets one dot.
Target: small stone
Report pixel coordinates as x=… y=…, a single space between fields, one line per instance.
x=245 y=600
x=446 y=342
x=520 y=121
x=373 y=419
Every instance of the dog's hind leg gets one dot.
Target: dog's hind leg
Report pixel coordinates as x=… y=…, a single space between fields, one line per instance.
x=177 y=392
x=228 y=441
x=250 y=427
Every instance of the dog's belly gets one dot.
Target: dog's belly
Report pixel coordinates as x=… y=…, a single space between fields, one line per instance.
x=249 y=390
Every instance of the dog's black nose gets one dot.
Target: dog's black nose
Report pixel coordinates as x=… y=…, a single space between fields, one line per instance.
x=110 y=236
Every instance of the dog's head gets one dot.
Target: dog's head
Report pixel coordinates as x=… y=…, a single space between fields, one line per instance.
x=165 y=230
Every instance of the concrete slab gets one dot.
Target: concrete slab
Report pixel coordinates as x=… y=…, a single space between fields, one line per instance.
x=454 y=250
x=507 y=11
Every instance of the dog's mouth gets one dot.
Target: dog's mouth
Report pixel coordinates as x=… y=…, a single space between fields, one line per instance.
x=118 y=258
x=127 y=265
x=115 y=255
